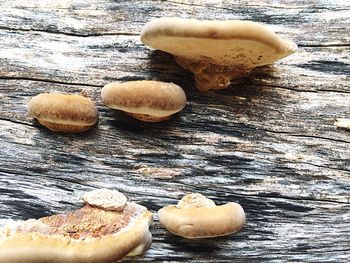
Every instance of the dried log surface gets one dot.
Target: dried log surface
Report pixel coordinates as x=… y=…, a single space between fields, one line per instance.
x=268 y=142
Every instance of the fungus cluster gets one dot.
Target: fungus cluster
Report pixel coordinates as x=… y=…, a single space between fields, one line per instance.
x=216 y=52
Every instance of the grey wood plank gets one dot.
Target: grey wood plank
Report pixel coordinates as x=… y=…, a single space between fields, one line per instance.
x=268 y=142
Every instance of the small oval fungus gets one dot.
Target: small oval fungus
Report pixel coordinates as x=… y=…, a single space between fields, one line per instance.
x=196 y=216
x=105 y=199
x=342 y=123
x=216 y=51
x=63 y=112
x=150 y=101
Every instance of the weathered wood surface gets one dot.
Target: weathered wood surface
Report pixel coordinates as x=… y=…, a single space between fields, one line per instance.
x=268 y=142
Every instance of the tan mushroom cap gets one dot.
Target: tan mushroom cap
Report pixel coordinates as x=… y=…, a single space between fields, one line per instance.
x=63 y=112
x=145 y=100
x=235 y=46
x=199 y=217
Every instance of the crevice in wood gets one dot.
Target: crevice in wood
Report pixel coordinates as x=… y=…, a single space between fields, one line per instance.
x=325 y=45
x=298 y=90
x=303 y=135
x=69 y=34
x=51 y=81
x=225 y=8
x=218 y=191
x=257 y=6
x=318 y=137
x=14 y=172
x=16 y=121
x=327 y=167
x=268 y=195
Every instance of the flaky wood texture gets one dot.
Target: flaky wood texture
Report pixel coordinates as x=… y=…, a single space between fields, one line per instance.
x=268 y=142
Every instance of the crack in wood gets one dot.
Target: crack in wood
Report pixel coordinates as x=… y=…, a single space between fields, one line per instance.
x=69 y=34
x=231 y=9
x=16 y=121
x=270 y=195
x=50 y=81
x=324 y=45
x=247 y=4
x=322 y=166
x=303 y=136
x=299 y=90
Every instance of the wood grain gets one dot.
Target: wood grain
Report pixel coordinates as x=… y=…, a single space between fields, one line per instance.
x=268 y=142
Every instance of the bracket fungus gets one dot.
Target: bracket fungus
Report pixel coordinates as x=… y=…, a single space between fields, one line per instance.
x=150 y=101
x=89 y=234
x=196 y=216
x=63 y=112
x=216 y=51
